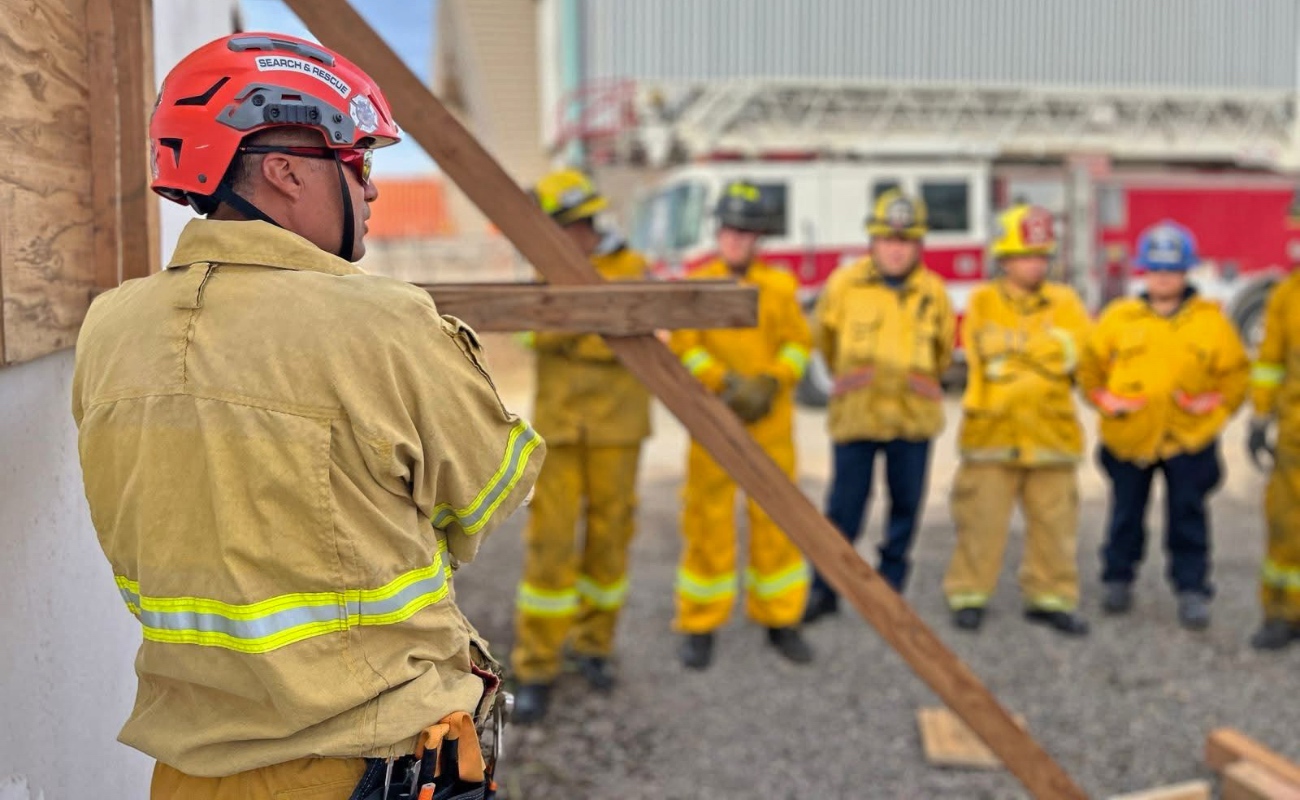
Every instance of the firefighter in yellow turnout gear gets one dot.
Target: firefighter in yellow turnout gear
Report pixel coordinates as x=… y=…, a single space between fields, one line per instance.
x=1020 y=435
x=1166 y=371
x=886 y=329
x=754 y=371
x=594 y=415
x=1275 y=383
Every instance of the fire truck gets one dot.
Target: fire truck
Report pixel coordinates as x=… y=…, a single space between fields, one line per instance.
x=1246 y=224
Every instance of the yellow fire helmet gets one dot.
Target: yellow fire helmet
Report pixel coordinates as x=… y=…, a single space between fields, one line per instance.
x=568 y=196
x=1024 y=230
x=898 y=215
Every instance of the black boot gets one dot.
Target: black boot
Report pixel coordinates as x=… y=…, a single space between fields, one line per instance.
x=1066 y=622
x=1117 y=598
x=1275 y=634
x=820 y=604
x=968 y=619
x=1194 y=610
x=697 y=651
x=597 y=672
x=531 y=703
x=789 y=642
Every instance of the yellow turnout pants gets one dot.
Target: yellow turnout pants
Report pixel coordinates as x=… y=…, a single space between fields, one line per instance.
x=571 y=588
x=777 y=578
x=1280 y=584
x=983 y=498
x=303 y=779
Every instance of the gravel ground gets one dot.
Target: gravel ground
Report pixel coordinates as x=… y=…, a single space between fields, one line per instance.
x=1125 y=709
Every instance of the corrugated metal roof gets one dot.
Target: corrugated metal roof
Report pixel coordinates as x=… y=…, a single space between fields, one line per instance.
x=1247 y=44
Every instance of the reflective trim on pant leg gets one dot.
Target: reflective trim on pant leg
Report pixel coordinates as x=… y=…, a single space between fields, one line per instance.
x=700 y=589
x=777 y=583
x=1277 y=576
x=547 y=602
x=1050 y=602
x=957 y=602
x=606 y=597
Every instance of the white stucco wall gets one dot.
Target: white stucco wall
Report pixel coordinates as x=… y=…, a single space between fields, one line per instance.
x=66 y=639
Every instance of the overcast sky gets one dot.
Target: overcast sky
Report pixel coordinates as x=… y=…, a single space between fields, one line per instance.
x=408 y=28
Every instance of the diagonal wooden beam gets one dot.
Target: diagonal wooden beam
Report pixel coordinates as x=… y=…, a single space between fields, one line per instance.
x=463 y=159
x=617 y=308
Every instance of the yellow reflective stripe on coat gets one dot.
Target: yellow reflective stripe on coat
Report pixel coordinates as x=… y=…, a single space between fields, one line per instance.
x=279 y=621
x=547 y=602
x=697 y=359
x=777 y=583
x=1280 y=577
x=522 y=442
x=1068 y=347
x=796 y=357
x=605 y=597
x=1267 y=375
x=705 y=590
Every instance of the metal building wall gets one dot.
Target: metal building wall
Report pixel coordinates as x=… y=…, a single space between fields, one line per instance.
x=1247 y=44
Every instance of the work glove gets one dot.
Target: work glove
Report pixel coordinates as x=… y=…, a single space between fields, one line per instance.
x=1198 y=404
x=924 y=386
x=1257 y=442
x=750 y=398
x=1114 y=405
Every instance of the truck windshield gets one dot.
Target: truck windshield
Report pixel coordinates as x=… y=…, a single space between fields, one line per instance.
x=670 y=220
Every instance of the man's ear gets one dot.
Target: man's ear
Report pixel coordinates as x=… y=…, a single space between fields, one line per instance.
x=282 y=175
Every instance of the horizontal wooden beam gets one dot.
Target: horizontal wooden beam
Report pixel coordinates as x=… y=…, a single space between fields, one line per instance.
x=709 y=421
x=1246 y=780
x=1226 y=746
x=1191 y=790
x=620 y=308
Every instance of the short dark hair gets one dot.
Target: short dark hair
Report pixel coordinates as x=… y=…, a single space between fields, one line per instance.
x=243 y=167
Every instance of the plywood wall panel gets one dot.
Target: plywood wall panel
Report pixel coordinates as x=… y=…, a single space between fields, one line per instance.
x=46 y=243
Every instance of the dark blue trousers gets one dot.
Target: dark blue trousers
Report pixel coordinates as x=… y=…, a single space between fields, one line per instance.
x=1189 y=480
x=906 y=467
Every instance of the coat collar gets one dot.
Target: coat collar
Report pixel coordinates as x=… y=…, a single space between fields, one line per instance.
x=253 y=243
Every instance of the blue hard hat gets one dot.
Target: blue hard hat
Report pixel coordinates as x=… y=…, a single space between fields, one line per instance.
x=1167 y=246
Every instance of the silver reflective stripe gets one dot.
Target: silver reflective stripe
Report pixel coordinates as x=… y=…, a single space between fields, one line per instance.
x=473 y=517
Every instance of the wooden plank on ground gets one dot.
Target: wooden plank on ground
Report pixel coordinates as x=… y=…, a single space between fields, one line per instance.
x=47 y=266
x=542 y=242
x=1226 y=746
x=949 y=742
x=617 y=308
x=1191 y=790
x=1248 y=780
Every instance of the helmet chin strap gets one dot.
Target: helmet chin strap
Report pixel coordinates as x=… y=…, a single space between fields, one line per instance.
x=244 y=206
x=348 y=241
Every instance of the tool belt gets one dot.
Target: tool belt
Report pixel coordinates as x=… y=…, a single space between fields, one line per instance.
x=450 y=762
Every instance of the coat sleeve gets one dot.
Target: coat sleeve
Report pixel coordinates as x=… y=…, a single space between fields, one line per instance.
x=826 y=323
x=971 y=323
x=796 y=341
x=435 y=421
x=947 y=341
x=1056 y=350
x=1093 y=371
x=1232 y=367
x=1269 y=369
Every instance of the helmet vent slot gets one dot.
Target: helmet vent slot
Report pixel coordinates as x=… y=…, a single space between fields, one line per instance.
x=202 y=99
